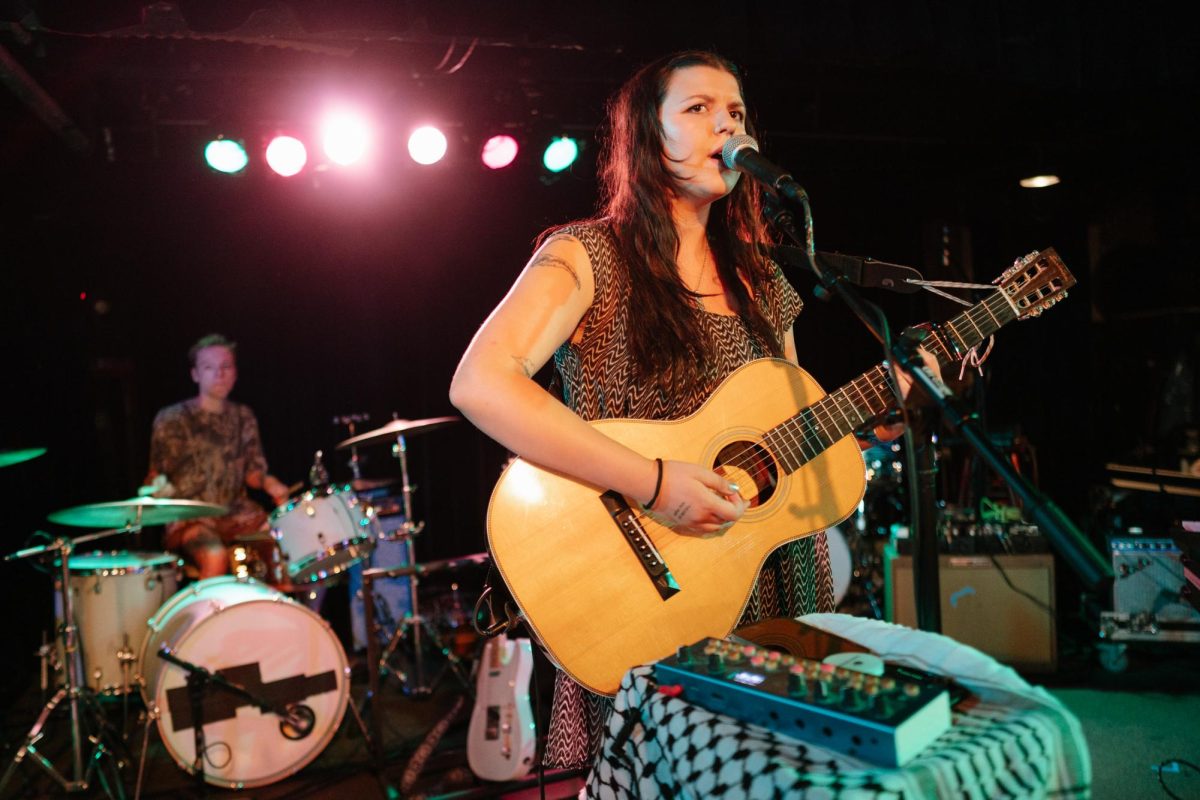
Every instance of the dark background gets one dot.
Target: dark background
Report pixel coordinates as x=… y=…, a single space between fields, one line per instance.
x=909 y=124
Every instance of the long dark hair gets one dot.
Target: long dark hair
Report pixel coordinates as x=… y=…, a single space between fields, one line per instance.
x=669 y=344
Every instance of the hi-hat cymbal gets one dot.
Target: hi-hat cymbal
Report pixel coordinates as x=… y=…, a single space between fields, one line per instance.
x=398 y=427
x=10 y=457
x=119 y=513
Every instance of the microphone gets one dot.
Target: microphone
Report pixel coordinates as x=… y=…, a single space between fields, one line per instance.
x=741 y=153
x=297 y=721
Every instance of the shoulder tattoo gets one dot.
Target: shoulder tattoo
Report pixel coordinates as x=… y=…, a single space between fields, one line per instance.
x=551 y=260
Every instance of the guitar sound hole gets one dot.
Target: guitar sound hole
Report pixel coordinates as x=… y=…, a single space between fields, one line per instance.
x=751 y=467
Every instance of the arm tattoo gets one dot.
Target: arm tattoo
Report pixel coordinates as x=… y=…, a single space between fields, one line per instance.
x=550 y=260
x=681 y=510
x=525 y=364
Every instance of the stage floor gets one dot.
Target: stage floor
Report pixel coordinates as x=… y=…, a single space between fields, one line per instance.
x=1133 y=721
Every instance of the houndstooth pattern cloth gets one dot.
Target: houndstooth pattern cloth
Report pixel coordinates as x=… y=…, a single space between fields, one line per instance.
x=1010 y=740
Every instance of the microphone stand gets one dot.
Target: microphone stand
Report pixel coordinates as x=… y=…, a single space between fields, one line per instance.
x=1066 y=538
x=297 y=719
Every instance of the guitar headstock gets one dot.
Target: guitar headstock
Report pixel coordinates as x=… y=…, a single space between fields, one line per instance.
x=1036 y=282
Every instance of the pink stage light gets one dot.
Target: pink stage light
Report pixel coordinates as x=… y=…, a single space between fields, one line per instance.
x=286 y=155
x=499 y=151
x=346 y=137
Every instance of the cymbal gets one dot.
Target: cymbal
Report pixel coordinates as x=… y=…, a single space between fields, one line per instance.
x=398 y=427
x=154 y=511
x=10 y=457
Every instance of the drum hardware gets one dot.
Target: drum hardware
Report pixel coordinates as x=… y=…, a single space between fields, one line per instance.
x=79 y=699
x=49 y=662
x=377 y=663
x=317 y=474
x=371 y=484
x=350 y=420
x=413 y=627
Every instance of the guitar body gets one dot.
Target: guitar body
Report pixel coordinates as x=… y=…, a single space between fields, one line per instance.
x=581 y=585
x=500 y=740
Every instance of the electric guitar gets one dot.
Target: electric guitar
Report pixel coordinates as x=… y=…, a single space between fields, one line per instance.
x=606 y=586
x=500 y=740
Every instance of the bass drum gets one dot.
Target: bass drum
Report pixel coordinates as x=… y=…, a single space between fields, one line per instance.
x=259 y=639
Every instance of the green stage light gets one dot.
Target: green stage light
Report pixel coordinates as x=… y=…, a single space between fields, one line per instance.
x=226 y=155
x=560 y=154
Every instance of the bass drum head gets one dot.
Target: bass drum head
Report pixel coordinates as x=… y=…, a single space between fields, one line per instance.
x=259 y=639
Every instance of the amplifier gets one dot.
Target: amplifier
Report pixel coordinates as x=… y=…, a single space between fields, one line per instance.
x=1148 y=579
x=849 y=702
x=1013 y=623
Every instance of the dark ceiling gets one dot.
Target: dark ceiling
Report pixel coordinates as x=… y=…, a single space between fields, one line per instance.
x=1109 y=82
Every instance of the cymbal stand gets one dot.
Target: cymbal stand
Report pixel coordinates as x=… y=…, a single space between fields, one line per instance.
x=74 y=693
x=375 y=663
x=415 y=627
x=349 y=420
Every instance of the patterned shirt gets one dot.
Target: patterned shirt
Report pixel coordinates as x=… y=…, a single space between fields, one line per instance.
x=598 y=371
x=207 y=455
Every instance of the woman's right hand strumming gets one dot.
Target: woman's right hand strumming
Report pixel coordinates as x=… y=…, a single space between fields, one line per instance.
x=696 y=500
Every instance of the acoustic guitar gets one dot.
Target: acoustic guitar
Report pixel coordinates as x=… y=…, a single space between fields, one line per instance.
x=605 y=585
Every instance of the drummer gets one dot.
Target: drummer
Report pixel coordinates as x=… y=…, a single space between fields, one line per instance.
x=207 y=448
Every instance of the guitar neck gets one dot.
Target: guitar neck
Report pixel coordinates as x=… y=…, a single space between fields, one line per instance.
x=805 y=436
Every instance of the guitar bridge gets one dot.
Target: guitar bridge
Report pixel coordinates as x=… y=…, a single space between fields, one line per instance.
x=635 y=536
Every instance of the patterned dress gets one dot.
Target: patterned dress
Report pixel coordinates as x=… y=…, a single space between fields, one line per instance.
x=206 y=456
x=599 y=383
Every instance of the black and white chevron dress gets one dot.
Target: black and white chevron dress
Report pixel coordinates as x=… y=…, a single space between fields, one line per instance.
x=599 y=383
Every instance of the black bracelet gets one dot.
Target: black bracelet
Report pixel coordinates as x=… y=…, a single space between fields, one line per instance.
x=657 y=485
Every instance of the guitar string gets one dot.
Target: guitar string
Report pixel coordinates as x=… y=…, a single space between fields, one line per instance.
x=815 y=435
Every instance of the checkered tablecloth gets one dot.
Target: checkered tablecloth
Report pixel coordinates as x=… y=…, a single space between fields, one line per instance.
x=1009 y=739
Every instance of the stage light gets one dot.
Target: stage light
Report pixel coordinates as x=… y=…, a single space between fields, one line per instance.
x=346 y=137
x=499 y=151
x=560 y=154
x=1039 y=181
x=286 y=155
x=226 y=155
x=427 y=145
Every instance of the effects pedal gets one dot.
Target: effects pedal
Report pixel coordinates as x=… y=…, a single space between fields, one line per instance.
x=872 y=711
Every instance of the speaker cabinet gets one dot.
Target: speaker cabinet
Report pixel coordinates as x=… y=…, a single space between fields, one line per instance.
x=980 y=609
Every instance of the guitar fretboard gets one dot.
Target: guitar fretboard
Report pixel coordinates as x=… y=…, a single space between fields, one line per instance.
x=801 y=438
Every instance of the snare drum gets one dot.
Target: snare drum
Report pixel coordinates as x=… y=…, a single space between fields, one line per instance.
x=113 y=595
x=323 y=533
x=258 y=638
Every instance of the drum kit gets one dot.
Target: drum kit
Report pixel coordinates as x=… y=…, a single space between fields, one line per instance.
x=129 y=626
x=856 y=546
